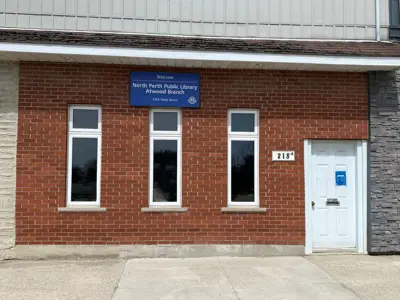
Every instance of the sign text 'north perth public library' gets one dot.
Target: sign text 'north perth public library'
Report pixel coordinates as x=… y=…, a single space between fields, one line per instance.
x=165 y=89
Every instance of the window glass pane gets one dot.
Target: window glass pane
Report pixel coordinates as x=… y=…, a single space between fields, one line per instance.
x=242 y=122
x=165 y=121
x=242 y=171
x=85 y=118
x=84 y=169
x=165 y=170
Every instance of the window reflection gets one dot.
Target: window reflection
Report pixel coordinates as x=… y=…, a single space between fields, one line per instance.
x=165 y=154
x=165 y=121
x=85 y=118
x=242 y=122
x=84 y=169
x=242 y=171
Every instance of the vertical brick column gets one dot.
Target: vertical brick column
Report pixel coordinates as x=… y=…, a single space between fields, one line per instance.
x=9 y=78
x=384 y=214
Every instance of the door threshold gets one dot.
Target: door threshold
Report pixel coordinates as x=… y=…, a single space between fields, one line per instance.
x=347 y=251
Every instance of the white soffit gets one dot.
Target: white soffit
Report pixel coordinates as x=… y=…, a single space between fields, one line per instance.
x=189 y=58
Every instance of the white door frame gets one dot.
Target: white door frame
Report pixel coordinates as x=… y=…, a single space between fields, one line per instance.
x=361 y=194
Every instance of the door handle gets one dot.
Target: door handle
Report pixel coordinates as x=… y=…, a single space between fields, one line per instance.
x=312 y=204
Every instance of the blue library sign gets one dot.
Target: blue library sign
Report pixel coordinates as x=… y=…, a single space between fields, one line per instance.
x=164 y=89
x=340 y=178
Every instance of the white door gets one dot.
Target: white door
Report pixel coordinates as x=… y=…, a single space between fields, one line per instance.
x=333 y=194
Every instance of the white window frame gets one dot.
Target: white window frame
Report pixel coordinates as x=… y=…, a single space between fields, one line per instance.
x=84 y=133
x=166 y=135
x=244 y=136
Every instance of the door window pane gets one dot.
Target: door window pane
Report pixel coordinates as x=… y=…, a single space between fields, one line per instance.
x=85 y=118
x=165 y=155
x=242 y=122
x=242 y=171
x=165 y=121
x=84 y=169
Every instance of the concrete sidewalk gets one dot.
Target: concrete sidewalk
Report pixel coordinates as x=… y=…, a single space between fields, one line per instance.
x=53 y=280
x=228 y=278
x=284 y=278
x=370 y=277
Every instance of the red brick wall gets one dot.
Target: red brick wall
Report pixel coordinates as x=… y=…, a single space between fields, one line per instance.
x=293 y=106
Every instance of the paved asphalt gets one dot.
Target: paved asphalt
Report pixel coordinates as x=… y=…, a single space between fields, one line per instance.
x=327 y=277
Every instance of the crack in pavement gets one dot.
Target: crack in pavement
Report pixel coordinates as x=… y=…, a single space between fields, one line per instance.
x=227 y=277
x=119 y=280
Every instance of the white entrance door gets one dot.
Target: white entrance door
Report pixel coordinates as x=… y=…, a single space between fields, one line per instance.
x=333 y=194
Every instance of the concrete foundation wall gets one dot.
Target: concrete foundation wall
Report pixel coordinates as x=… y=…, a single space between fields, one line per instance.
x=9 y=74
x=384 y=218
x=151 y=251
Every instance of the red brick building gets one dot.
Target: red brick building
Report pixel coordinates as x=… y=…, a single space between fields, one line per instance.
x=291 y=107
x=276 y=147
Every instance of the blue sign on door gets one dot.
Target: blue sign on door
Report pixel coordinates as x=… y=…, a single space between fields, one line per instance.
x=165 y=89
x=341 y=178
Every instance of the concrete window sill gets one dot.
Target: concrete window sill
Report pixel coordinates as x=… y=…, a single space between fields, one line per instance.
x=163 y=209
x=244 y=209
x=82 y=209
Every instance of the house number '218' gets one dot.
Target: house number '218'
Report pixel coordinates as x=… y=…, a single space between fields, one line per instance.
x=283 y=155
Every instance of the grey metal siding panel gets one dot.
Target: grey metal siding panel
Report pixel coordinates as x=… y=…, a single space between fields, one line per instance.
x=384 y=16
x=325 y=19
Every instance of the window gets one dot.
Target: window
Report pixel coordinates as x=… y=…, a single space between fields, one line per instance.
x=84 y=155
x=242 y=158
x=394 y=28
x=165 y=157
